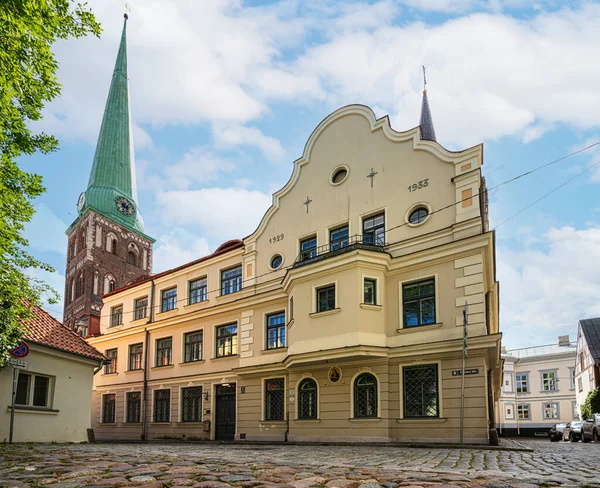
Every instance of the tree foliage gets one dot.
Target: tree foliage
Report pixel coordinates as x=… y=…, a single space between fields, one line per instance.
x=28 y=81
x=591 y=404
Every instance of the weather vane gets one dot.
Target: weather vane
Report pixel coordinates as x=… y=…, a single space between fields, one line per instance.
x=127 y=9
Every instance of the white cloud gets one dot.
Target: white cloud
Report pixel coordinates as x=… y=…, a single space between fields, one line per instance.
x=176 y=248
x=198 y=165
x=238 y=135
x=222 y=213
x=56 y=281
x=545 y=292
x=46 y=232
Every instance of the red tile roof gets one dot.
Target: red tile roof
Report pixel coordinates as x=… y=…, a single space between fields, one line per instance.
x=222 y=249
x=44 y=329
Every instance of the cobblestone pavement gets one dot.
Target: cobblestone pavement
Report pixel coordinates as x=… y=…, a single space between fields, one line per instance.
x=296 y=466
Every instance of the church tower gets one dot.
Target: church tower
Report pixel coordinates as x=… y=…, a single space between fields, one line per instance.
x=107 y=246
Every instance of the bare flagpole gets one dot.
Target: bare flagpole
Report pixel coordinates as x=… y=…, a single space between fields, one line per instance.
x=462 y=376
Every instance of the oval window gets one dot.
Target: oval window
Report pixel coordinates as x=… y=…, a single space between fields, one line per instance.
x=276 y=261
x=418 y=216
x=339 y=176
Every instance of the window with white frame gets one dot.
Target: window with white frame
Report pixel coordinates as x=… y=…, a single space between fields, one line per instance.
x=116 y=316
x=509 y=411
x=524 y=411
x=549 y=381
x=580 y=383
x=33 y=390
x=550 y=410
x=164 y=351
x=111 y=367
x=522 y=381
x=571 y=378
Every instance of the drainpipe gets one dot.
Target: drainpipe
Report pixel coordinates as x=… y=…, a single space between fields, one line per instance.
x=99 y=368
x=146 y=344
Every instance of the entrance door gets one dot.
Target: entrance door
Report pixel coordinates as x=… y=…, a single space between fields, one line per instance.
x=225 y=415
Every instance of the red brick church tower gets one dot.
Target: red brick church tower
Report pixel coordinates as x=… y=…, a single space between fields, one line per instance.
x=107 y=247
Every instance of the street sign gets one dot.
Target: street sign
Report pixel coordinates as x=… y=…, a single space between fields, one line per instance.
x=20 y=351
x=458 y=372
x=17 y=363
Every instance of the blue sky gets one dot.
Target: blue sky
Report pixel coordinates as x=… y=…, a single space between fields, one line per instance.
x=225 y=93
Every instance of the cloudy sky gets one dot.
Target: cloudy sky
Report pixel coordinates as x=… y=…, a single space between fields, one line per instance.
x=226 y=92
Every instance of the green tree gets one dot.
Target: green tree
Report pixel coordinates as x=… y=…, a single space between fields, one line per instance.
x=591 y=404
x=28 y=29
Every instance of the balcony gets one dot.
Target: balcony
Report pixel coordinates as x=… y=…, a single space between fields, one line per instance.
x=337 y=247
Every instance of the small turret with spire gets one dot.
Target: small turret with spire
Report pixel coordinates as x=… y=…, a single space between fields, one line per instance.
x=426 y=123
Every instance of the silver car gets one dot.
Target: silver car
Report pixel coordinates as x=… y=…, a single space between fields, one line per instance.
x=572 y=431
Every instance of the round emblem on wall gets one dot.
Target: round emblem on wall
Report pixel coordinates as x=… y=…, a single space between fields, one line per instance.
x=335 y=374
x=125 y=206
x=81 y=201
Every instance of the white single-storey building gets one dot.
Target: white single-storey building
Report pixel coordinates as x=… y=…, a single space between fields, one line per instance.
x=54 y=393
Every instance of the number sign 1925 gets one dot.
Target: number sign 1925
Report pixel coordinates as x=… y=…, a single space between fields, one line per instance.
x=418 y=185
x=277 y=238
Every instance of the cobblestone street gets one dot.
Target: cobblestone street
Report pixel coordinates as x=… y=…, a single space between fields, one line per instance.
x=296 y=466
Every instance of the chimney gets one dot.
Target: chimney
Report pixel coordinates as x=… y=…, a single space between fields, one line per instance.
x=564 y=340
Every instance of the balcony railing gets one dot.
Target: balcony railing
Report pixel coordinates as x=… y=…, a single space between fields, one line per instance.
x=339 y=246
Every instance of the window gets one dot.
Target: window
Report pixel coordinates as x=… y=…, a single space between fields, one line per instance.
x=581 y=361
x=370 y=291
x=169 y=300
x=374 y=230
x=580 y=384
x=508 y=412
x=226 y=340
x=418 y=303
x=163 y=351
x=109 y=406
x=135 y=356
x=141 y=309
x=550 y=410
x=193 y=346
x=198 y=291
x=522 y=383
x=308 y=248
x=339 y=176
x=276 y=330
x=326 y=298
x=116 y=316
x=191 y=404
x=572 y=378
x=338 y=238
x=162 y=406
x=523 y=412
x=231 y=280
x=420 y=385
x=112 y=366
x=131 y=257
x=274 y=399
x=307 y=399
x=134 y=407
x=365 y=396
x=549 y=381
x=418 y=216
x=276 y=261
x=574 y=412
x=33 y=390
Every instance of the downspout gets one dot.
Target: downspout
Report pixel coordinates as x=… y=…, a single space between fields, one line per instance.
x=146 y=345
x=99 y=368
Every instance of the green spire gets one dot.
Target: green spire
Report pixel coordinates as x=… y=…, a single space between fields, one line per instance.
x=111 y=189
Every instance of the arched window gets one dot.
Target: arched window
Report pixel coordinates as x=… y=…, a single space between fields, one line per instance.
x=83 y=243
x=109 y=283
x=79 y=286
x=131 y=257
x=111 y=243
x=96 y=282
x=307 y=399
x=365 y=396
x=71 y=290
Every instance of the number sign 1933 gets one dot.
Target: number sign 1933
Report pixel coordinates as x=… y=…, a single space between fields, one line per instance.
x=418 y=185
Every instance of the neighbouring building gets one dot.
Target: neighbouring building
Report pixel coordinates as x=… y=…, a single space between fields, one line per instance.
x=54 y=394
x=339 y=318
x=107 y=247
x=538 y=389
x=587 y=365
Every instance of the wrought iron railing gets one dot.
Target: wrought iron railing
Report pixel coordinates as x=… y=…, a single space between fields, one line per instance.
x=340 y=246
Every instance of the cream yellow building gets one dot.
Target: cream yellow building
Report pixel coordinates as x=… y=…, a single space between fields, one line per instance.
x=338 y=319
x=538 y=389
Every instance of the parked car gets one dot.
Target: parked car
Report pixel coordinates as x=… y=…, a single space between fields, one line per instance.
x=590 y=431
x=556 y=432
x=572 y=431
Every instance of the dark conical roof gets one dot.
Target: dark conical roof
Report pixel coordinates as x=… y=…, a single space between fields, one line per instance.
x=426 y=123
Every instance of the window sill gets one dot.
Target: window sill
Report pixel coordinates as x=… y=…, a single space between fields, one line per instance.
x=365 y=419
x=110 y=424
x=263 y=423
x=523 y=393
x=315 y=315
x=413 y=328
x=225 y=357
x=192 y=422
x=166 y=422
x=138 y=321
x=548 y=391
x=274 y=350
x=308 y=421
x=163 y=366
x=430 y=420
x=28 y=409
x=132 y=423
x=167 y=312
x=110 y=374
x=131 y=371
x=187 y=363
x=369 y=306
